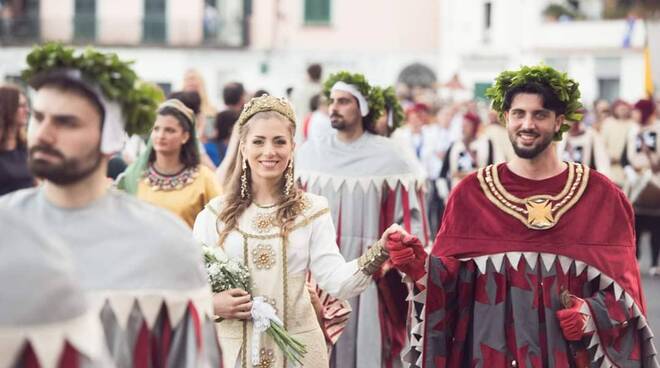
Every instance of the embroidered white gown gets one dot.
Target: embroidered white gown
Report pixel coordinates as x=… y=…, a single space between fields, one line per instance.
x=278 y=270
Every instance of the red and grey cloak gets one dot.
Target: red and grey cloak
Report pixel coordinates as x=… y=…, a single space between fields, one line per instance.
x=493 y=284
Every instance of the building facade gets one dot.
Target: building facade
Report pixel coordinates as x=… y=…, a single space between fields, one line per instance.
x=268 y=43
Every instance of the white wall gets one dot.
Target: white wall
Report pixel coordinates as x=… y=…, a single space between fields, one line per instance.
x=185 y=22
x=366 y=25
x=56 y=19
x=119 y=21
x=519 y=35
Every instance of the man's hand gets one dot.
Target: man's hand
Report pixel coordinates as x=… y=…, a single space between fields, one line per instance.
x=232 y=304
x=407 y=254
x=572 y=321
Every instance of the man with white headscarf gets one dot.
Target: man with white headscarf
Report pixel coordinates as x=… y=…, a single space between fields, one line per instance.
x=369 y=185
x=139 y=265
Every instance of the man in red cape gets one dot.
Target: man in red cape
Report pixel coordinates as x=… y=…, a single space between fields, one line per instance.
x=534 y=265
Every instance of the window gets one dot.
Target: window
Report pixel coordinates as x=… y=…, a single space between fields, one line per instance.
x=488 y=22
x=84 y=20
x=488 y=13
x=154 y=28
x=20 y=21
x=211 y=20
x=608 y=73
x=608 y=88
x=317 y=12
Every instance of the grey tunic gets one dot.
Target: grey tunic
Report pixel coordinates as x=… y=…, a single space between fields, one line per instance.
x=142 y=271
x=42 y=307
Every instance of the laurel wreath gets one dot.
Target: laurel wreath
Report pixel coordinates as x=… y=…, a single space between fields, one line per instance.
x=566 y=89
x=115 y=78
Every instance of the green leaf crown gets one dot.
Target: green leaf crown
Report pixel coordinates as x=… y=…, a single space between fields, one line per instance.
x=566 y=89
x=373 y=95
x=392 y=104
x=115 y=79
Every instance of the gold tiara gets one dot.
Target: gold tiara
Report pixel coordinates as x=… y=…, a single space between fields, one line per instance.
x=267 y=103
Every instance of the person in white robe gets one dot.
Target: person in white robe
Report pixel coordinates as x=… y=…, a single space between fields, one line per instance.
x=369 y=184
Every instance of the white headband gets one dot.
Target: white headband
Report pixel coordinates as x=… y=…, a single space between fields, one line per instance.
x=362 y=102
x=113 y=134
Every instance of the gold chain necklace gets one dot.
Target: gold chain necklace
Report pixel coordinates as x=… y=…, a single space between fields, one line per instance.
x=538 y=212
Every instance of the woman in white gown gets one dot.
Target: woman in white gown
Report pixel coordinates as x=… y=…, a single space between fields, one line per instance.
x=280 y=233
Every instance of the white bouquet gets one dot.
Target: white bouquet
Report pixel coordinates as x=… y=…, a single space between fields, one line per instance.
x=225 y=274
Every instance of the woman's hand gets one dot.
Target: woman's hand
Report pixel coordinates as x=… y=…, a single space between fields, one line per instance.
x=232 y=304
x=316 y=302
x=394 y=228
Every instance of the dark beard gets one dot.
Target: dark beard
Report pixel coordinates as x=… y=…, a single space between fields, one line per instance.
x=532 y=152
x=68 y=171
x=337 y=122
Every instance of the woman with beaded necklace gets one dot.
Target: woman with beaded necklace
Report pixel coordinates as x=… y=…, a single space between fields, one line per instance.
x=280 y=233
x=168 y=174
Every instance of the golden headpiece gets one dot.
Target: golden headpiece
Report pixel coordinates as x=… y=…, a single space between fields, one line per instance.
x=267 y=103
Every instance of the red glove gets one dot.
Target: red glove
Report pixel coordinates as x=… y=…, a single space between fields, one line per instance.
x=407 y=255
x=572 y=321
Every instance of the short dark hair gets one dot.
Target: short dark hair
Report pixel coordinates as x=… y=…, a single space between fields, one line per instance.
x=232 y=93
x=62 y=81
x=314 y=72
x=315 y=102
x=191 y=99
x=189 y=155
x=260 y=92
x=224 y=123
x=550 y=99
x=369 y=123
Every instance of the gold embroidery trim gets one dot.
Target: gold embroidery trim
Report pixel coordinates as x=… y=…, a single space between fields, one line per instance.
x=373 y=258
x=244 y=347
x=263 y=257
x=301 y=224
x=514 y=199
x=540 y=212
x=266 y=359
x=263 y=222
x=297 y=226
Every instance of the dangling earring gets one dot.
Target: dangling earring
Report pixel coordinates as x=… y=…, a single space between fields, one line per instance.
x=244 y=181
x=288 y=179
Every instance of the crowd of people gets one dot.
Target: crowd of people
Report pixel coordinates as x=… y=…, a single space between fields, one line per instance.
x=384 y=227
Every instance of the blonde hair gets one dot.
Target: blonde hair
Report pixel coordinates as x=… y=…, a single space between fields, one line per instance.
x=207 y=108
x=234 y=204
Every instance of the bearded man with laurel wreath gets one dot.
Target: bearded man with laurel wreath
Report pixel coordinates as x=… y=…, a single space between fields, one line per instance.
x=534 y=265
x=369 y=185
x=138 y=265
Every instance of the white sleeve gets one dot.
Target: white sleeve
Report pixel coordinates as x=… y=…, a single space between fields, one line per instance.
x=204 y=230
x=341 y=279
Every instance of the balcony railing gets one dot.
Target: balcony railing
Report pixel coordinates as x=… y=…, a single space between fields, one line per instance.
x=149 y=31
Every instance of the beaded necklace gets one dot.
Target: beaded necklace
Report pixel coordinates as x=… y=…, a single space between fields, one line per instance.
x=158 y=181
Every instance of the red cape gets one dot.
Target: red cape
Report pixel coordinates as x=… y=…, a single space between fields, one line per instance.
x=598 y=230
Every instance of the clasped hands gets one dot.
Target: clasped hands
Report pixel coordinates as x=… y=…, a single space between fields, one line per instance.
x=406 y=251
